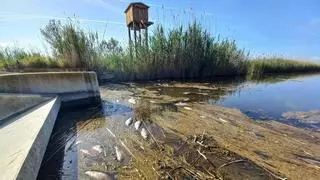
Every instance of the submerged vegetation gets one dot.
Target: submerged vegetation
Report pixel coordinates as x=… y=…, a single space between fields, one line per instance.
x=177 y=53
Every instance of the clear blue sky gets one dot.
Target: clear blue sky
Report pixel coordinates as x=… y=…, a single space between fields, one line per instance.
x=288 y=28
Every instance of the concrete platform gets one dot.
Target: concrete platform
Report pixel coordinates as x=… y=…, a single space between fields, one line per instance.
x=24 y=140
x=15 y=104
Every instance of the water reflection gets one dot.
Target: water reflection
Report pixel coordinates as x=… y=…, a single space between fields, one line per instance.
x=263 y=99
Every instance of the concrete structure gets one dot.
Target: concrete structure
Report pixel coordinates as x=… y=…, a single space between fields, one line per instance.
x=13 y=104
x=24 y=135
x=24 y=140
x=68 y=85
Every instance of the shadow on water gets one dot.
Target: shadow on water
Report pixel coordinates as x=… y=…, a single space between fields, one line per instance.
x=60 y=159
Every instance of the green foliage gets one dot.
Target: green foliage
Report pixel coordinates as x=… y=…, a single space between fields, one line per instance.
x=183 y=54
x=260 y=67
x=14 y=58
x=178 y=53
x=78 y=48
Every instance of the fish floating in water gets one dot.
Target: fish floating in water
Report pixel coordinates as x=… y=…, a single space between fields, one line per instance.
x=86 y=152
x=137 y=125
x=132 y=101
x=144 y=133
x=98 y=175
x=222 y=120
x=187 y=108
x=181 y=104
x=118 y=154
x=129 y=121
x=98 y=148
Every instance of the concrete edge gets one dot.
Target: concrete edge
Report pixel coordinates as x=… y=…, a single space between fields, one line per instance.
x=23 y=110
x=32 y=163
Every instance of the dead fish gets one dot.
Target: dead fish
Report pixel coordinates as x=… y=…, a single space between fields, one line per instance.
x=118 y=154
x=187 y=108
x=98 y=175
x=98 y=148
x=151 y=101
x=144 y=133
x=203 y=116
x=132 y=101
x=86 y=152
x=181 y=104
x=129 y=121
x=186 y=93
x=137 y=125
x=222 y=120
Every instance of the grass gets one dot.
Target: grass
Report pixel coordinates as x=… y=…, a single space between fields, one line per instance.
x=177 y=53
x=274 y=65
x=15 y=59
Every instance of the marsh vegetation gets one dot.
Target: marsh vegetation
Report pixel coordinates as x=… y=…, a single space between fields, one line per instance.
x=176 y=53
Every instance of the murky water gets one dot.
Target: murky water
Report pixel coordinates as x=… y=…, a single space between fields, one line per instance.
x=88 y=141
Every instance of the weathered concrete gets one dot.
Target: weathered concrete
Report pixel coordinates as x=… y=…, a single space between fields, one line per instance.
x=12 y=104
x=24 y=140
x=69 y=85
x=24 y=137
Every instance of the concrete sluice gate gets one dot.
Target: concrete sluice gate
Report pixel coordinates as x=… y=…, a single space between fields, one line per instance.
x=30 y=104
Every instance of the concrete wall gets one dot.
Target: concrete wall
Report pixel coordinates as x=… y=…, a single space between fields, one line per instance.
x=24 y=140
x=12 y=104
x=69 y=85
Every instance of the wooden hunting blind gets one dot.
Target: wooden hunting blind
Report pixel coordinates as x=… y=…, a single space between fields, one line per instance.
x=137 y=16
x=137 y=19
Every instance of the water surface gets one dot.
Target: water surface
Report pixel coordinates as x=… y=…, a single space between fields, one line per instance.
x=72 y=149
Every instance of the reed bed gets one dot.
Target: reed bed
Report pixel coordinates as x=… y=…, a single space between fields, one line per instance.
x=177 y=53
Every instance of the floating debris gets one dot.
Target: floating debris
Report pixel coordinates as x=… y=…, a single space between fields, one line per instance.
x=137 y=125
x=118 y=154
x=129 y=121
x=262 y=154
x=78 y=142
x=144 y=133
x=186 y=93
x=98 y=148
x=204 y=94
x=112 y=134
x=181 y=104
x=186 y=99
x=151 y=101
x=132 y=101
x=98 y=175
x=187 y=108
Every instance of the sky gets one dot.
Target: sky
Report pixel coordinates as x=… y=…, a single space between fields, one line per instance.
x=287 y=28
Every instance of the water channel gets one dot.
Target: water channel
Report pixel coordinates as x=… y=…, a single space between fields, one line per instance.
x=103 y=142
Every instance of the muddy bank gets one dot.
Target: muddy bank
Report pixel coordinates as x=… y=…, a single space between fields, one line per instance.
x=312 y=117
